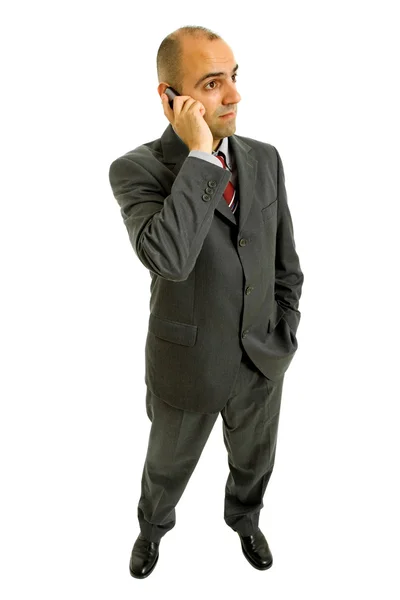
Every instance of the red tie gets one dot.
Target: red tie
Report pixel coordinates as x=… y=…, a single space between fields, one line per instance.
x=229 y=192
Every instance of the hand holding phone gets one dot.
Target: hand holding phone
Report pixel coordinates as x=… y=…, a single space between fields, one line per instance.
x=186 y=116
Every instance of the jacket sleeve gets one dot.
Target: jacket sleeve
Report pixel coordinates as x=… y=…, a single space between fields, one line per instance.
x=167 y=232
x=288 y=275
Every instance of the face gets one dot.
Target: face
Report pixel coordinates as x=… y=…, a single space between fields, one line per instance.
x=217 y=93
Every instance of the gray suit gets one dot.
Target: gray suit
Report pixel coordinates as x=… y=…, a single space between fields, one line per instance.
x=217 y=285
x=225 y=290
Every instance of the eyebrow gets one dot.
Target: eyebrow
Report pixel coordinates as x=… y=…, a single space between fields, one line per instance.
x=216 y=74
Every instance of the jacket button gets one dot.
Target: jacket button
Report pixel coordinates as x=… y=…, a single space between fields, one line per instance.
x=249 y=289
x=242 y=242
x=209 y=190
x=212 y=183
x=206 y=197
x=245 y=332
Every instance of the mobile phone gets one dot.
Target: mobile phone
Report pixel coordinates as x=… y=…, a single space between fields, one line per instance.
x=171 y=93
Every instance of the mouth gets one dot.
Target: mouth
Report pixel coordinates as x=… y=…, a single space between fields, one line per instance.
x=227 y=115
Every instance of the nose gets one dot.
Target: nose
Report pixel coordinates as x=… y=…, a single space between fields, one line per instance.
x=232 y=96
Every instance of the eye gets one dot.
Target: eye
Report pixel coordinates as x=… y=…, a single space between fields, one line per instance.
x=214 y=80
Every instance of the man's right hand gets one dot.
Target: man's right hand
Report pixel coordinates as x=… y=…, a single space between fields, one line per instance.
x=188 y=122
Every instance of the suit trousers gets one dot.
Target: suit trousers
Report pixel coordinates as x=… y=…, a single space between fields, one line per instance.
x=177 y=437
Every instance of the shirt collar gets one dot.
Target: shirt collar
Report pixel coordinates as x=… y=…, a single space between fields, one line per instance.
x=224 y=147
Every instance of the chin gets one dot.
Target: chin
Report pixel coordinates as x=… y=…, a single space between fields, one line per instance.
x=230 y=126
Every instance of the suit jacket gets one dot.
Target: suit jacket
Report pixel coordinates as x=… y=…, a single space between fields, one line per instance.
x=220 y=283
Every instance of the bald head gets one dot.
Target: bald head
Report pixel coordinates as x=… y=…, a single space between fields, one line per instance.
x=171 y=53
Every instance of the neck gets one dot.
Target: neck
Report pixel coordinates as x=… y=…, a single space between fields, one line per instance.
x=216 y=145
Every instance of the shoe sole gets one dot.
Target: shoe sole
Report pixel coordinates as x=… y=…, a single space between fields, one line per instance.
x=148 y=572
x=253 y=564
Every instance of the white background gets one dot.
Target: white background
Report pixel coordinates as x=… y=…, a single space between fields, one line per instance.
x=318 y=80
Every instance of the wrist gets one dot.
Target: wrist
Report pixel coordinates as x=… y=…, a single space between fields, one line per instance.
x=202 y=149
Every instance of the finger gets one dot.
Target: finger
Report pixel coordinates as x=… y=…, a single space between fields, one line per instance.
x=165 y=101
x=176 y=105
x=187 y=105
x=169 y=113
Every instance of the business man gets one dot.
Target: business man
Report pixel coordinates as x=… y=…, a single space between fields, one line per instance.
x=207 y=214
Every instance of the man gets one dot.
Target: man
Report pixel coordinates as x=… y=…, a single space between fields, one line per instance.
x=207 y=214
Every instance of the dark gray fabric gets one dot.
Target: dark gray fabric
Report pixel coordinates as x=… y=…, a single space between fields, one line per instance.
x=250 y=420
x=219 y=281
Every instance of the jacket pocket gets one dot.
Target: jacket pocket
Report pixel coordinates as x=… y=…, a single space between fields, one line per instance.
x=269 y=211
x=173 y=331
x=276 y=315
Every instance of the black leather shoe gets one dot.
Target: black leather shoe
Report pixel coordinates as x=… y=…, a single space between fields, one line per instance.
x=256 y=550
x=144 y=557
